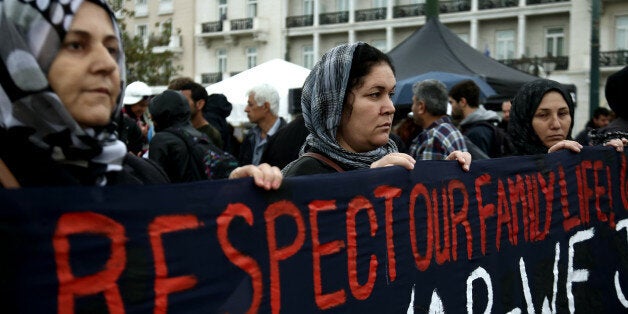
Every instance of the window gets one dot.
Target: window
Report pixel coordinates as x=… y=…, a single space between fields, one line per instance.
x=222 y=60
x=504 y=45
x=621 y=33
x=222 y=10
x=308 y=7
x=141 y=31
x=141 y=8
x=342 y=5
x=554 y=42
x=251 y=8
x=165 y=6
x=251 y=57
x=308 y=56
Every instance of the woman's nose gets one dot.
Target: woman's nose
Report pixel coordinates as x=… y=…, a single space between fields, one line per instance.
x=388 y=107
x=103 y=60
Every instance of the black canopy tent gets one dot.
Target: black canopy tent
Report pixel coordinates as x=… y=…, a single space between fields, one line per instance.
x=436 y=48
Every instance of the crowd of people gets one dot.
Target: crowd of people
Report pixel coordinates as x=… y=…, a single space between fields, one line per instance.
x=96 y=130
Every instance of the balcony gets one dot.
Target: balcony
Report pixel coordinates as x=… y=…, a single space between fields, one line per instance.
x=334 y=18
x=614 y=58
x=141 y=10
x=408 y=10
x=452 y=6
x=231 y=30
x=531 y=2
x=241 y=24
x=536 y=65
x=496 y=4
x=300 y=21
x=211 y=78
x=370 y=14
x=172 y=45
x=165 y=7
x=211 y=27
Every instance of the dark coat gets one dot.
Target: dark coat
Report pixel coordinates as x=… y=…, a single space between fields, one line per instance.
x=284 y=146
x=248 y=144
x=170 y=110
x=33 y=166
x=216 y=110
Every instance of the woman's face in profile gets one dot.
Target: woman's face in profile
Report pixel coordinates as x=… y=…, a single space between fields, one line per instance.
x=85 y=72
x=552 y=119
x=367 y=126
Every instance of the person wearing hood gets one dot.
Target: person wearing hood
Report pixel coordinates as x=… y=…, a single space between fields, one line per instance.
x=172 y=145
x=216 y=111
x=541 y=120
x=60 y=97
x=477 y=124
x=615 y=92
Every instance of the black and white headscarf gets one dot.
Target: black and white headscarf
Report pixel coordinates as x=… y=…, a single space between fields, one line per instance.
x=322 y=101
x=32 y=34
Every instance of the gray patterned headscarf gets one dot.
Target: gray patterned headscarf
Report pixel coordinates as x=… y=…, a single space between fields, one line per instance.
x=524 y=105
x=322 y=102
x=32 y=34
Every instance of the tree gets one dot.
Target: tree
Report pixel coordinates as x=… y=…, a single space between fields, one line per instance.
x=144 y=62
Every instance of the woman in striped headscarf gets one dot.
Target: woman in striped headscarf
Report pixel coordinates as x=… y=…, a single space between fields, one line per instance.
x=348 y=111
x=61 y=80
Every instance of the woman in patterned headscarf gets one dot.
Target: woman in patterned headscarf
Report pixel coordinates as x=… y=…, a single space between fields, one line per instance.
x=62 y=73
x=541 y=119
x=348 y=112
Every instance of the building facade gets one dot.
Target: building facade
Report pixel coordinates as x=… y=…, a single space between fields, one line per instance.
x=549 y=38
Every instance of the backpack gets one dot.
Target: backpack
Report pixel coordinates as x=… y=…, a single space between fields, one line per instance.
x=217 y=164
x=502 y=143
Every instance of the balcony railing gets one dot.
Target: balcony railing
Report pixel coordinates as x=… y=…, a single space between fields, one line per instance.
x=211 y=27
x=242 y=24
x=210 y=78
x=454 y=6
x=334 y=17
x=529 y=2
x=614 y=58
x=533 y=65
x=494 y=4
x=408 y=10
x=370 y=14
x=300 y=21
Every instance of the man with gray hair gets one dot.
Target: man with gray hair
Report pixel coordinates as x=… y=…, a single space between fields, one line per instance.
x=439 y=137
x=262 y=110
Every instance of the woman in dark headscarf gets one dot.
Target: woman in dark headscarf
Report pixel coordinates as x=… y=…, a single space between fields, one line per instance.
x=541 y=119
x=348 y=112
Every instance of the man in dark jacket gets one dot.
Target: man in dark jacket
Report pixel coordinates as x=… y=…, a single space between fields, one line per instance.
x=170 y=112
x=216 y=111
x=478 y=124
x=262 y=109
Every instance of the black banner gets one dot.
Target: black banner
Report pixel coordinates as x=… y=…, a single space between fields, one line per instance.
x=520 y=235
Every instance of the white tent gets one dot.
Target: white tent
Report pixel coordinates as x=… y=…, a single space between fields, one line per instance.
x=281 y=74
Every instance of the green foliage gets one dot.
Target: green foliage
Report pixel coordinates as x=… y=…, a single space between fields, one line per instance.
x=142 y=64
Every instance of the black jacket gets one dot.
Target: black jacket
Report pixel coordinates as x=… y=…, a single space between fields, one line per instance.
x=33 y=166
x=284 y=146
x=248 y=145
x=170 y=110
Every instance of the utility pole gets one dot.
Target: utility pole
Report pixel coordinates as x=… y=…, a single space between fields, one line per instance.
x=594 y=74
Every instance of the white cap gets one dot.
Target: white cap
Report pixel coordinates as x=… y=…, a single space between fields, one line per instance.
x=135 y=91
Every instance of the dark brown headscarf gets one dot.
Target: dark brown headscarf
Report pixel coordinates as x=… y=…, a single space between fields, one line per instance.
x=524 y=105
